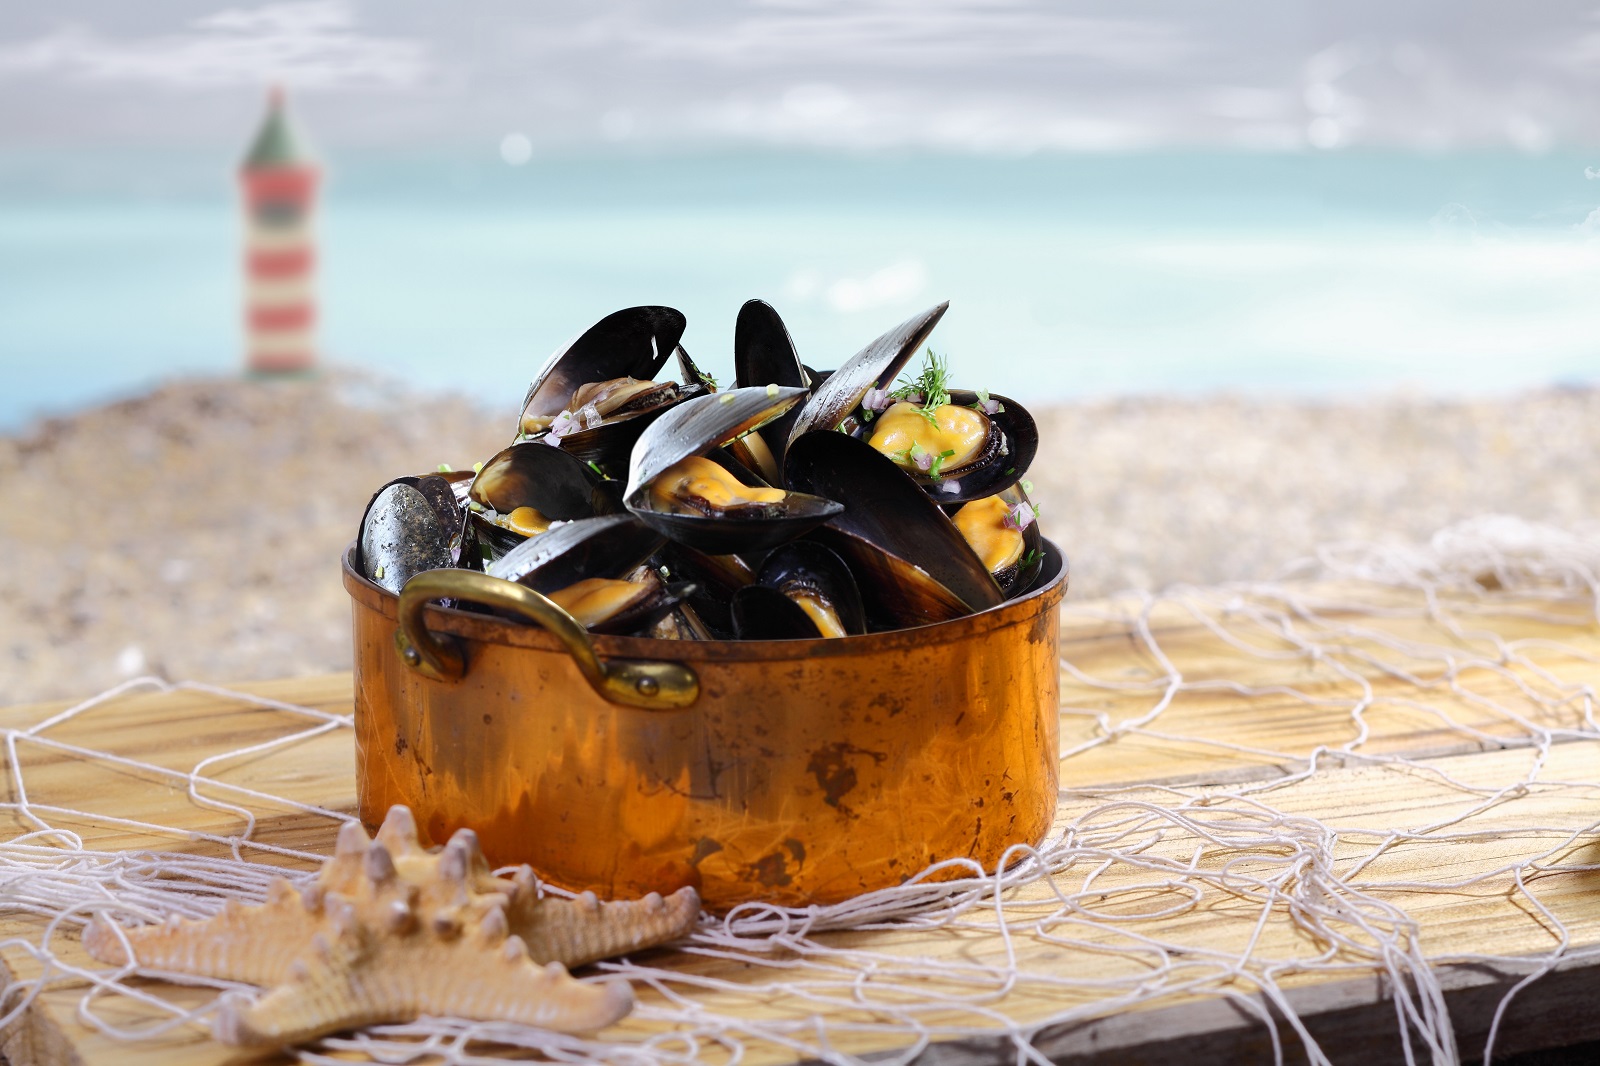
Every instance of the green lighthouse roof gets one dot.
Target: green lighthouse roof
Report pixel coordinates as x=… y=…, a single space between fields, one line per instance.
x=276 y=145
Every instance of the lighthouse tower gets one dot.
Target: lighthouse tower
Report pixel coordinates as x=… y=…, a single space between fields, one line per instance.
x=280 y=186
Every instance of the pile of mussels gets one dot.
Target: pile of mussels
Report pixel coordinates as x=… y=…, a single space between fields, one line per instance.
x=799 y=503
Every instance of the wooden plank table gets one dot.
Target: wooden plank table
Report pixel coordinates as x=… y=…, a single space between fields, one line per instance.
x=1277 y=714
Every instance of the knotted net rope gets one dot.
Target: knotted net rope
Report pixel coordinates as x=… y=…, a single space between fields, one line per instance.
x=1122 y=887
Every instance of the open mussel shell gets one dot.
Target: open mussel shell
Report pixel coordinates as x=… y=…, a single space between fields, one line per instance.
x=1010 y=444
x=716 y=579
x=653 y=601
x=982 y=523
x=634 y=342
x=698 y=427
x=410 y=525
x=607 y=546
x=799 y=571
x=691 y=374
x=875 y=366
x=913 y=565
x=896 y=593
x=764 y=354
x=608 y=444
x=533 y=474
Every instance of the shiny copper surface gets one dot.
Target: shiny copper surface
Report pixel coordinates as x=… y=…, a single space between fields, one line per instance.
x=804 y=772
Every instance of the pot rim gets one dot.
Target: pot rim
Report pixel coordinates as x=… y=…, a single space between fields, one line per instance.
x=495 y=630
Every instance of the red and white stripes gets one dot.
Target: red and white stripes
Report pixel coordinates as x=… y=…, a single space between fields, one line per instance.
x=280 y=267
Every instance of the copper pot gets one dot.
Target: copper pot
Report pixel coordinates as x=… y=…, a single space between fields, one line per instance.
x=799 y=771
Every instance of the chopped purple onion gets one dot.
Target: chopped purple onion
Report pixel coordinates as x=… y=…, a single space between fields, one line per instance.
x=877 y=399
x=1020 y=517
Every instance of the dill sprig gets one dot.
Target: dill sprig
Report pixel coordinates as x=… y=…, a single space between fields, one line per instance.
x=931 y=383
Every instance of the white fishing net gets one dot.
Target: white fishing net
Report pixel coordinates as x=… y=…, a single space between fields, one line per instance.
x=1322 y=829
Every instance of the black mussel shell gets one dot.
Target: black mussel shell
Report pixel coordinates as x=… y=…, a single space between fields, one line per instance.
x=639 y=616
x=457 y=481
x=804 y=567
x=609 y=444
x=887 y=510
x=874 y=366
x=534 y=474
x=698 y=427
x=895 y=593
x=1019 y=576
x=763 y=613
x=764 y=354
x=605 y=546
x=405 y=531
x=1012 y=442
x=681 y=623
x=690 y=374
x=1052 y=562
x=634 y=342
x=716 y=578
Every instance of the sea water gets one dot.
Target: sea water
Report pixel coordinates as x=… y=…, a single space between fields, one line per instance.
x=1067 y=276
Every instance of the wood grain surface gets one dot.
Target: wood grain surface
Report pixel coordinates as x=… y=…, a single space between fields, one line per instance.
x=1256 y=730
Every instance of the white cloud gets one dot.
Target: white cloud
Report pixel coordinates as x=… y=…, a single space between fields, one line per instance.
x=313 y=44
x=828 y=116
x=867 y=34
x=895 y=283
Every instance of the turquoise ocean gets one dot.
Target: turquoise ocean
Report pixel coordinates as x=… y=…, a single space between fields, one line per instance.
x=1068 y=276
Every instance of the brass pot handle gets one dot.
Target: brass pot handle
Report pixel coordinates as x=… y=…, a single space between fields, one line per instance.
x=651 y=685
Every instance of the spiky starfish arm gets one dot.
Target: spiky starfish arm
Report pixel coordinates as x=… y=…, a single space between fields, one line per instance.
x=584 y=929
x=253 y=944
x=390 y=931
x=358 y=981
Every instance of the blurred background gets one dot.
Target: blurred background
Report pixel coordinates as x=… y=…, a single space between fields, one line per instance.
x=1274 y=274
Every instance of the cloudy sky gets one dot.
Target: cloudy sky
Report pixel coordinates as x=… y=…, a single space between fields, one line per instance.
x=999 y=76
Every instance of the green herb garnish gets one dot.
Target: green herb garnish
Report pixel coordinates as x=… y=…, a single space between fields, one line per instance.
x=938 y=461
x=984 y=401
x=596 y=468
x=931 y=383
x=1027 y=486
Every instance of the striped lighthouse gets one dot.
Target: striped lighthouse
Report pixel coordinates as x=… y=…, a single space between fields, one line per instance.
x=280 y=186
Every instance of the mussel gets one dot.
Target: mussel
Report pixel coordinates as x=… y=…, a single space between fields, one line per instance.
x=764 y=354
x=597 y=395
x=804 y=591
x=873 y=367
x=619 y=606
x=526 y=487
x=913 y=565
x=592 y=567
x=410 y=525
x=1004 y=532
x=677 y=486
x=970 y=446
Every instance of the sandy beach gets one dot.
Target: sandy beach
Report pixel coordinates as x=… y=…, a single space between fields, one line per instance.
x=194 y=533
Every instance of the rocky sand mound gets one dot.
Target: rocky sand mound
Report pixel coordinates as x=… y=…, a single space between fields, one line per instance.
x=195 y=532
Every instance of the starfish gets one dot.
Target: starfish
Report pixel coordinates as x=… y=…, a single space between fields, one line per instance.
x=389 y=931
